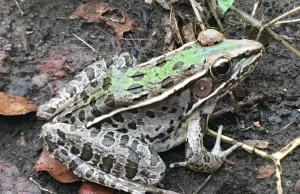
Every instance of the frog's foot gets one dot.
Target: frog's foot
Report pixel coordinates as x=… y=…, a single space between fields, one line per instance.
x=204 y=161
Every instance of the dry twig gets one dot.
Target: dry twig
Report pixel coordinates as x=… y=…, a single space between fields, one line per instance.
x=22 y=13
x=196 y=11
x=87 y=44
x=281 y=17
x=257 y=24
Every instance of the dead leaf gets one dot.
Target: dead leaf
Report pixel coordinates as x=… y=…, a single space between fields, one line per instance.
x=265 y=171
x=297 y=186
x=55 y=64
x=12 y=182
x=3 y=55
x=15 y=105
x=55 y=168
x=103 y=12
x=188 y=32
x=92 y=188
x=261 y=144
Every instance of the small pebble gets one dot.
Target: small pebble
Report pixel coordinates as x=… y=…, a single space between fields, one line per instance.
x=18 y=87
x=275 y=119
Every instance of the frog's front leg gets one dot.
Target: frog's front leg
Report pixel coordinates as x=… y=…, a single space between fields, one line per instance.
x=197 y=157
x=109 y=158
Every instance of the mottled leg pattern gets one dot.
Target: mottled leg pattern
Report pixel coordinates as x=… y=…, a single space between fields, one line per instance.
x=197 y=157
x=109 y=158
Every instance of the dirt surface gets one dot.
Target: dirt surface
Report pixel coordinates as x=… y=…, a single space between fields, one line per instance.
x=45 y=30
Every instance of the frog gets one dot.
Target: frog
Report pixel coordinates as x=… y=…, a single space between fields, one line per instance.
x=109 y=124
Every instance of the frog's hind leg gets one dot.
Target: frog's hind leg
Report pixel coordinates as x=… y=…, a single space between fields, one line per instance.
x=197 y=157
x=109 y=158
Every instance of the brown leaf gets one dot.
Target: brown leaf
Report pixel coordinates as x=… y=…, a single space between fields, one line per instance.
x=92 y=188
x=12 y=182
x=55 y=64
x=265 y=171
x=55 y=168
x=261 y=144
x=103 y=12
x=15 y=105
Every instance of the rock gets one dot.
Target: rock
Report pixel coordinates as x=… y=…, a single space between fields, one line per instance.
x=18 y=87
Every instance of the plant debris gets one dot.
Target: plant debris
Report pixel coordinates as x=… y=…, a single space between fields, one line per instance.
x=261 y=144
x=92 y=188
x=15 y=105
x=265 y=172
x=55 y=168
x=102 y=12
x=56 y=65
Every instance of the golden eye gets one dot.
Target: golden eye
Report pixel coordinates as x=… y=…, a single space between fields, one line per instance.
x=221 y=67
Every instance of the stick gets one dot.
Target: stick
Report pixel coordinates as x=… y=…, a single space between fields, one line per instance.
x=85 y=43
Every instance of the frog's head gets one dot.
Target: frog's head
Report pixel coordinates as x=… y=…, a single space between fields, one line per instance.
x=226 y=64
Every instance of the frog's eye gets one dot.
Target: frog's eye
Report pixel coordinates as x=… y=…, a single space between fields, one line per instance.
x=221 y=67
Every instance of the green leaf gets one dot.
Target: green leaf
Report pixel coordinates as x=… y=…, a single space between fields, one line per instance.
x=224 y=5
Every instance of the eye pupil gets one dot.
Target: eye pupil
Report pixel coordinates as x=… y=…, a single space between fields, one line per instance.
x=222 y=68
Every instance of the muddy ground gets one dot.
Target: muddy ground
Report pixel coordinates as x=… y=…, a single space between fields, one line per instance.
x=277 y=78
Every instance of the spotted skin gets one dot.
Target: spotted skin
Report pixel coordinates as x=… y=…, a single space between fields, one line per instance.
x=111 y=127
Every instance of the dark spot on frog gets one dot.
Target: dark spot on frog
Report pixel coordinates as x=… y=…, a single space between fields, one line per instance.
x=135 y=88
x=118 y=117
x=94 y=84
x=107 y=163
x=61 y=134
x=108 y=140
x=90 y=73
x=108 y=121
x=110 y=101
x=95 y=112
x=51 y=145
x=75 y=163
x=61 y=142
x=179 y=117
x=83 y=94
x=134 y=144
x=89 y=173
x=97 y=158
x=150 y=114
x=87 y=152
x=171 y=122
x=140 y=121
x=133 y=111
x=49 y=110
x=141 y=98
x=114 y=125
x=93 y=101
x=131 y=169
x=164 y=108
x=64 y=152
x=132 y=125
x=170 y=129
x=78 y=78
x=178 y=65
x=138 y=76
x=106 y=83
x=101 y=178
x=167 y=82
x=159 y=136
x=173 y=110
x=160 y=62
x=124 y=139
x=122 y=130
x=123 y=69
x=75 y=150
x=81 y=115
x=71 y=90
